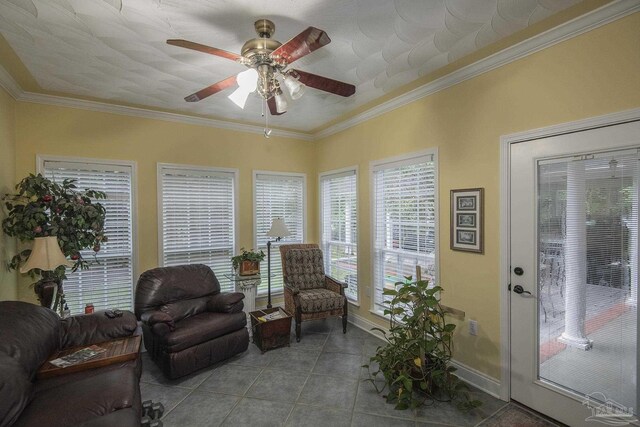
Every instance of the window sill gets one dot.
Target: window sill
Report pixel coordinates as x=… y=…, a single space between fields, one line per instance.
x=353 y=303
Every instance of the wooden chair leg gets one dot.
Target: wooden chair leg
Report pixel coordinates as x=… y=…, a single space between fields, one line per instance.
x=344 y=318
x=298 y=322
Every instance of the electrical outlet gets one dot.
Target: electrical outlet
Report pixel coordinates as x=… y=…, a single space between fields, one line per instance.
x=473 y=327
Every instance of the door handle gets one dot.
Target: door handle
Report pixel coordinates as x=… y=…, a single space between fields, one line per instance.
x=520 y=290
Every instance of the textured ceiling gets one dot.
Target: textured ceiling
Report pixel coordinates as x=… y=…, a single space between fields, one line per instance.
x=115 y=49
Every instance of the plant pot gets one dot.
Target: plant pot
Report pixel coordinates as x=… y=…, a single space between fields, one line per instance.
x=249 y=268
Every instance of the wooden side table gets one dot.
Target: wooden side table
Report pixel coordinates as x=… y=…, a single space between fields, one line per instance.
x=118 y=350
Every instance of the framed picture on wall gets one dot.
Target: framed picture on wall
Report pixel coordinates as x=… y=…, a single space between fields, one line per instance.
x=467 y=220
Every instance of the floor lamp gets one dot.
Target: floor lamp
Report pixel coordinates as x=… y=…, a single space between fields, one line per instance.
x=46 y=256
x=278 y=231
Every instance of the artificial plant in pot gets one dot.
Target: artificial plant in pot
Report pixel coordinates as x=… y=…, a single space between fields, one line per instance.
x=414 y=364
x=248 y=262
x=43 y=208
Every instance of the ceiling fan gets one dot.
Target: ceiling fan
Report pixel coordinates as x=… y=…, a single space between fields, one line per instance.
x=267 y=61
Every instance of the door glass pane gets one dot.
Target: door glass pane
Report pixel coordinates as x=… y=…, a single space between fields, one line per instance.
x=588 y=274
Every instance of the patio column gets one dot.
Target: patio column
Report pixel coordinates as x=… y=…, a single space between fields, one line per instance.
x=575 y=253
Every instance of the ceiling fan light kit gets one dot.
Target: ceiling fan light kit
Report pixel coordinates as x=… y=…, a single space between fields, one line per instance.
x=267 y=61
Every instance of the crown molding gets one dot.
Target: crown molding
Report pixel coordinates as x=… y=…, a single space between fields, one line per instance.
x=582 y=24
x=602 y=16
x=9 y=84
x=12 y=87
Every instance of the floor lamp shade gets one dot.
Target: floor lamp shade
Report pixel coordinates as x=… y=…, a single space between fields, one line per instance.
x=45 y=255
x=278 y=230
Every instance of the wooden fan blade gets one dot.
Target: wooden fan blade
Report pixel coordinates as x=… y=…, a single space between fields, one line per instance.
x=210 y=90
x=326 y=84
x=303 y=44
x=271 y=102
x=202 y=48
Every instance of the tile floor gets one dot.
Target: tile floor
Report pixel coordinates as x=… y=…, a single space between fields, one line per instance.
x=316 y=382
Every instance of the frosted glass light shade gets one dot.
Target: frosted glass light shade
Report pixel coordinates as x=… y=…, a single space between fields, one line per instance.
x=239 y=97
x=248 y=80
x=247 y=83
x=281 y=102
x=278 y=228
x=45 y=255
x=295 y=88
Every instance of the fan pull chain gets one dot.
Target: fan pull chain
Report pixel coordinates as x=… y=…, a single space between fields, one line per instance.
x=267 y=131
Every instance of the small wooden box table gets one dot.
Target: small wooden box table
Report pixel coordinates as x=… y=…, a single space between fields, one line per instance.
x=118 y=350
x=272 y=333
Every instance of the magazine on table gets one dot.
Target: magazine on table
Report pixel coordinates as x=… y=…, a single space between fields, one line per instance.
x=272 y=316
x=79 y=356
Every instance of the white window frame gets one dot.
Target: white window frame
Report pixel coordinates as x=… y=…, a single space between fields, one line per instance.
x=42 y=158
x=255 y=214
x=236 y=199
x=330 y=173
x=373 y=166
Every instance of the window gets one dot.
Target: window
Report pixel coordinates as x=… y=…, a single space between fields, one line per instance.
x=278 y=195
x=197 y=217
x=339 y=217
x=405 y=217
x=108 y=283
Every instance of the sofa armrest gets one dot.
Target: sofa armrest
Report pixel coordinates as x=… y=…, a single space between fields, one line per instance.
x=335 y=285
x=226 y=302
x=159 y=322
x=87 y=329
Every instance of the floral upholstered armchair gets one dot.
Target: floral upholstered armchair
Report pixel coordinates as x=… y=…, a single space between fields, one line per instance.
x=308 y=293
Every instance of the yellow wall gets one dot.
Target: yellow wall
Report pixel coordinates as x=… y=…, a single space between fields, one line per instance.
x=593 y=74
x=8 y=289
x=61 y=131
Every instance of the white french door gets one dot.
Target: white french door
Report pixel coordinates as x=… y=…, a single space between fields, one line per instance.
x=574 y=274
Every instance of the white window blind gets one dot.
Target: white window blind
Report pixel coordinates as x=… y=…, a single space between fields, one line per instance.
x=404 y=222
x=108 y=283
x=339 y=218
x=278 y=196
x=198 y=217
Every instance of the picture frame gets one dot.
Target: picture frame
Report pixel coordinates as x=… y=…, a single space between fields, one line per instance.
x=467 y=220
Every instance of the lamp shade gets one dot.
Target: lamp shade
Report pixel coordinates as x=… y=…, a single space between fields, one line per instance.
x=239 y=97
x=278 y=228
x=281 y=102
x=45 y=255
x=296 y=89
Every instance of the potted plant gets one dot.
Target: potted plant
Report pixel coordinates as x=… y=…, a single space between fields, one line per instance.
x=44 y=208
x=415 y=361
x=248 y=262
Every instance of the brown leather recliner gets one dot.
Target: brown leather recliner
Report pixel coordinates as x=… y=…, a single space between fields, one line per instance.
x=188 y=324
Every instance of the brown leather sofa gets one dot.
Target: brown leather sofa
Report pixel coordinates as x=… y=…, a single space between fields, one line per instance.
x=187 y=322
x=29 y=335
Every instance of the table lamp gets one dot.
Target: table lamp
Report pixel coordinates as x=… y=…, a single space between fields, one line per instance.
x=278 y=231
x=46 y=256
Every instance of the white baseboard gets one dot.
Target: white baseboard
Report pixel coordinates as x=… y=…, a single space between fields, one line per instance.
x=477 y=379
x=466 y=373
x=366 y=325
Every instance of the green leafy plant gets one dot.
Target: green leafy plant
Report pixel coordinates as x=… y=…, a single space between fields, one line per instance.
x=42 y=207
x=251 y=255
x=415 y=361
